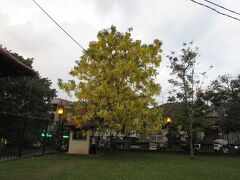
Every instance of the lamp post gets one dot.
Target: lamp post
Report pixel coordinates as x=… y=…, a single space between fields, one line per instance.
x=60 y=112
x=169 y=122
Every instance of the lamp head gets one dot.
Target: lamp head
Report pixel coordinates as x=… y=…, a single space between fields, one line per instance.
x=60 y=110
x=169 y=120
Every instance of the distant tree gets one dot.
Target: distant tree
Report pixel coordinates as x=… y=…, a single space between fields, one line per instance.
x=116 y=79
x=224 y=94
x=22 y=94
x=187 y=87
x=177 y=111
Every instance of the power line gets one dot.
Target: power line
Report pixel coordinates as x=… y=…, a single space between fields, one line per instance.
x=74 y=40
x=227 y=15
x=222 y=7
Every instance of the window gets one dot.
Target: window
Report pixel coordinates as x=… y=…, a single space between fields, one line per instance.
x=78 y=135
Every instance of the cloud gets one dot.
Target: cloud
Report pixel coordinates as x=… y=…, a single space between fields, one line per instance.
x=27 y=31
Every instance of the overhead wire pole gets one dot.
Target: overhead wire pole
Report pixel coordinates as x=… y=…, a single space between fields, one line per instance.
x=209 y=7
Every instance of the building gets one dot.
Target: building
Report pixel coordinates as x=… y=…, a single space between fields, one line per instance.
x=11 y=66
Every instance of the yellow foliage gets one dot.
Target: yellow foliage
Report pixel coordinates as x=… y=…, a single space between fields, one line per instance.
x=116 y=78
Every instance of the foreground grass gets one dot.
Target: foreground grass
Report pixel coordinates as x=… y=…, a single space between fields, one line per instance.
x=122 y=165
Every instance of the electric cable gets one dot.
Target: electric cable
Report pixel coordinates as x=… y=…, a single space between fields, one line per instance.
x=224 y=14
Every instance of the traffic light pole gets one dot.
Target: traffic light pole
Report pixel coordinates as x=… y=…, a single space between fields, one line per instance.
x=61 y=133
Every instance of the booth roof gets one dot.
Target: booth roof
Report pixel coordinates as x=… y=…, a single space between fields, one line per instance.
x=73 y=123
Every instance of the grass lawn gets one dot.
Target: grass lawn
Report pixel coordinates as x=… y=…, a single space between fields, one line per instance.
x=122 y=165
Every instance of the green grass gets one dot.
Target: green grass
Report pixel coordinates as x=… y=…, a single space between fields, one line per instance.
x=122 y=165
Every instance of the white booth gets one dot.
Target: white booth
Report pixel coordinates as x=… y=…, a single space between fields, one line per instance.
x=79 y=142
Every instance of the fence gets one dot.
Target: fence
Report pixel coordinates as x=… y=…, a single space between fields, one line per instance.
x=228 y=143
x=23 y=136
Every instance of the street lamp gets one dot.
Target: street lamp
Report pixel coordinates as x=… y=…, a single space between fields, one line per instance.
x=60 y=111
x=169 y=122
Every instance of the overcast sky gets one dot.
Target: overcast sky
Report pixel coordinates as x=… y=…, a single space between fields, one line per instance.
x=26 y=30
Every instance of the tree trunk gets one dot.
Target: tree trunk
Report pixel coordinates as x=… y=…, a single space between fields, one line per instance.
x=189 y=113
x=191 y=141
x=110 y=141
x=112 y=144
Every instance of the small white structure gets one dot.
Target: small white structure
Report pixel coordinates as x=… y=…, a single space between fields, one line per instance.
x=79 y=143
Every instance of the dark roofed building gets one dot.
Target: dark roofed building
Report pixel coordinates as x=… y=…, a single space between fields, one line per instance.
x=11 y=66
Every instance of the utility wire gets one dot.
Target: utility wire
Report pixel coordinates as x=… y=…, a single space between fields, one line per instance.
x=227 y=15
x=60 y=27
x=74 y=40
x=222 y=7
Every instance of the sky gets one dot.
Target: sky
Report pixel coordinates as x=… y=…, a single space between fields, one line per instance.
x=25 y=29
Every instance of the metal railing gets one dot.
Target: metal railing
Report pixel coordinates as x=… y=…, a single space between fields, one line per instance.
x=210 y=144
x=24 y=136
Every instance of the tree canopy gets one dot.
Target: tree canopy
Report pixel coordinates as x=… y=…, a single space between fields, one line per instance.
x=187 y=87
x=224 y=94
x=26 y=94
x=115 y=76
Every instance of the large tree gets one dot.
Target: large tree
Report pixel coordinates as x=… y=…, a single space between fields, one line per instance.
x=115 y=76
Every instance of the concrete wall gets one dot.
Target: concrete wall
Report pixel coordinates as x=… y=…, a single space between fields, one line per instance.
x=78 y=146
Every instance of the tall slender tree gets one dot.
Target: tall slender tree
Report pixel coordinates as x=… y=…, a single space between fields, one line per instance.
x=187 y=85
